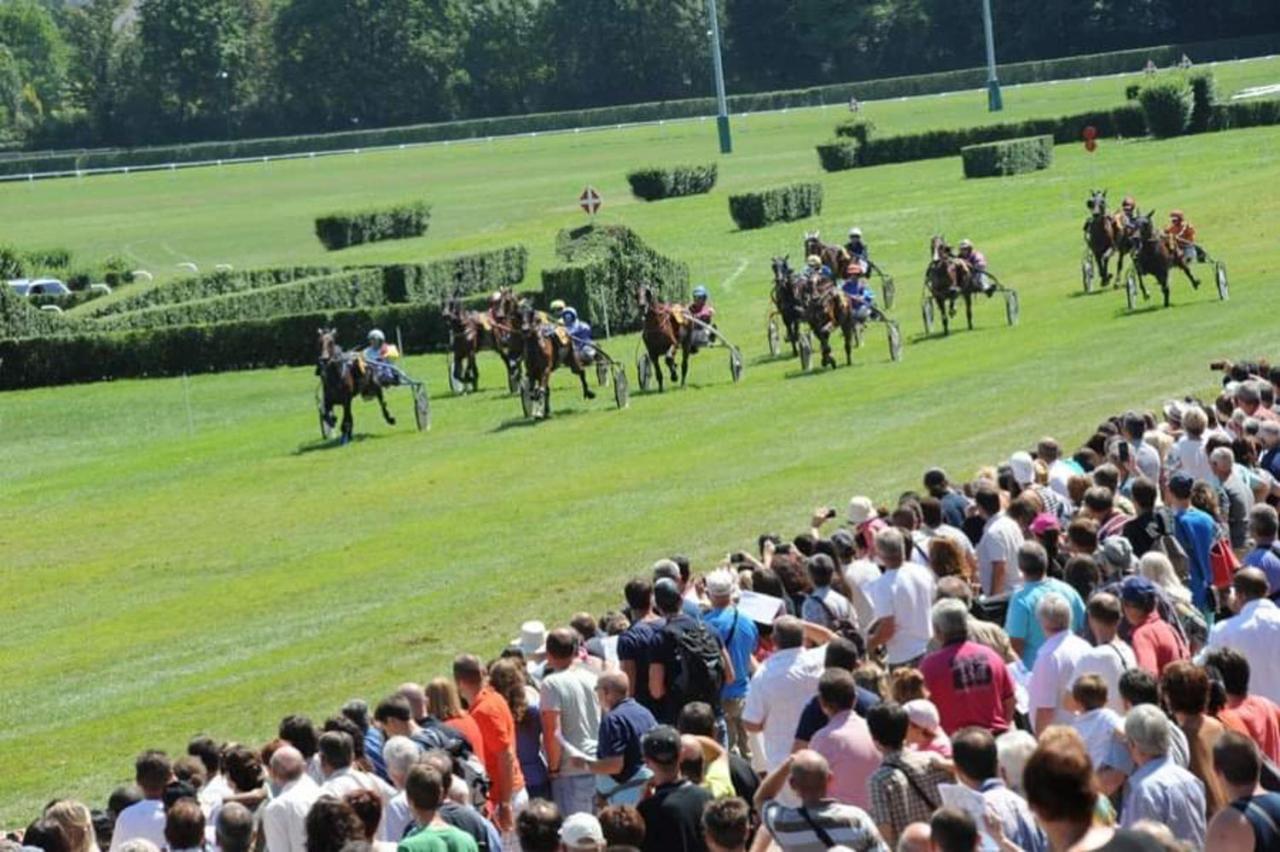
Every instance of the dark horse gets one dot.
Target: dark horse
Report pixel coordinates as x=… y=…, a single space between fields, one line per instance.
x=470 y=331
x=546 y=347
x=666 y=329
x=343 y=376
x=786 y=299
x=1155 y=254
x=1104 y=235
x=826 y=309
x=949 y=278
x=835 y=258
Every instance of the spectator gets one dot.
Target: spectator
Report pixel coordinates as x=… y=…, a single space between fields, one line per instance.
x=1145 y=457
x=824 y=605
x=780 y=689
x=538 y=827
x=983 y=632
x=1044 y=498
x=1097 y=724
x=510 y=680
x=1185 y=687
x=299 y=732
x=1013 y=750
x=1252 y=715
x=1099 y=506
x=457 y=810
x=902 y=598
x=49 y=836
x=622 y=826
x=843 y=655
x=425 y=790
x=443 y=704
x=845 y=743
x=1021 y=622
x=637 y=642
x=740 y=638
x=581 y=833
x=1189 y=455
x=145 y=819
x=1265 y=555
x=1155 y=643
x=1049 y=688
x=673 y=812
x=337 y=751
x=284 y=817
x=968 y=682
x=666 y=668
x=724 y=772
x=245 y=778
x=368 y=809
x=1254 y=631
x=233 y=828
x=975 y=756
x=623 y=723
x=215 y=788
x=399 y=756
x=915 y=838
x=726 y=823
x=1157 y=568
x=954 y=505
x=76 y=823
x=1196 y=532
x=998 y=548
x=859 y=573
x=952 y=830
x=1142 y=531
x=907 y=684
x=570 y=715
x=1252 y=821
x=1269 y=438
x=818 y=822
x=1160 y=790
x=924 y=729
x=905 y=787
x=677 y=570
x=184 y=826
x=1111 y=656
x=936 y=528
x=357 y=710
x=1239 y=495
x=1082 y=539
x=507 y=793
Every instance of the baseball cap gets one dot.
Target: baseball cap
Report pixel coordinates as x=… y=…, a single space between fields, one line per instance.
x=666 y=593
x=1137 y=590
x=861 y=510
x=1118 y=552
x=1024 y=469
x=721 y=583
x=1181 y=484
x=662 y=745
x=581 y=830
x=923 y=713
x=1043 y=523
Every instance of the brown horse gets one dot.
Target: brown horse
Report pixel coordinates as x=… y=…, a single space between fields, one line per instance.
x=666 y=329
x=470 y=331
x=835 y=258
x=948 y=278
x=826 y=309
x=786 y=299
x=1154 y=255
x=1104 y=235
x=342 y=377
x=546 y=347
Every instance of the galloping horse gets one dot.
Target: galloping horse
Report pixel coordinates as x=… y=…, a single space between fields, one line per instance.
x=949 y=277
x=665 y=330
x=1153 y=255
x=1104 y=235
x=343 y=376
x=826 y=309
x=786 y=299
x=835 y=258
x=546 y=347
x=471 y=330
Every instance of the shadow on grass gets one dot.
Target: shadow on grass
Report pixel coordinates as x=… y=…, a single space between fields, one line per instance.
x=527 y=422
x=333 y=443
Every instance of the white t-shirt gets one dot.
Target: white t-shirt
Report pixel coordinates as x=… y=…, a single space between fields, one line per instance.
x=860 y=574
x=951 y=534
x=1099 y=729
x=1060 y=474
x=1053 y=674
x=1109 y=662
x=906 y=594
x=140 y=821
x=1000 y=541
x=777 y=695
x=1188 y=456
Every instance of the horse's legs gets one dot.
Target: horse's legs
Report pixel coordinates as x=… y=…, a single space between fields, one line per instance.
x=671 y=365
x=386 y=414
x=825 y=338
x=684 y=364
x=348 y=424
x=587 y=392
x=657 y=370
x=848 y=342
x=943 y=305
x=1103 y=261
x=1163 y=280
x=968 y=309
x=473 y=371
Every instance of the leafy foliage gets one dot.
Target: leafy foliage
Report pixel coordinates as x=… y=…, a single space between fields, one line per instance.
x=1007 y=157
x=340 y=230
x=838 y=155
x=1167 y=105
x=1256 y=112
x=654 y=183
x=784 y=204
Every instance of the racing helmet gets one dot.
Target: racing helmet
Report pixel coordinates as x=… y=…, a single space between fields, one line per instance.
x=1129 y=202
x=1175 y=215
x=557 y=306
x=855 y=232
x=854 y=269
x=376 y=336
x=699 y=292
x=569 y=315
x=496 y=297
x=966 y=244
x=813 y=261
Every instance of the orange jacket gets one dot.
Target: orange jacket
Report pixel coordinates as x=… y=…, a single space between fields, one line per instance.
x=1184 y=233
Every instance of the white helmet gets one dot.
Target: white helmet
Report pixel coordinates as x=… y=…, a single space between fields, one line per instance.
x=376 y=336
x=855 y=232
x=496 y=297
x=966 y=244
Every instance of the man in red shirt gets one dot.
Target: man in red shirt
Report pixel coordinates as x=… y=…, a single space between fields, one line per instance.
x=1155 y=643
x=968 y=682
x=498 y=731
x=1256 y=717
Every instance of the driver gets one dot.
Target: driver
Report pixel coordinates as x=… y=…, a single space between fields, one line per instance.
x=1183 y=234
x=814 y=270
x=701 y=310
x=579 y=333
x=557 y=309
x=378 y=355
x=1128 y=217
x=857 y=248
x=860 y=296
x=977 y=265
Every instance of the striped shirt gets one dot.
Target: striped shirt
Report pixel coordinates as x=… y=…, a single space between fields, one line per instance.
x=844 y=825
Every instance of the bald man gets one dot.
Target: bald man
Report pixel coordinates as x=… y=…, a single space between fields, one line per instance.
x=417 y=698
x=284 y=817
x=916 y=837
x=819 y=822
x=619 y=763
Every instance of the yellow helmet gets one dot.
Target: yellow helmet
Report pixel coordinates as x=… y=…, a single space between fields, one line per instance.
x=814 y=260
x=557 y=306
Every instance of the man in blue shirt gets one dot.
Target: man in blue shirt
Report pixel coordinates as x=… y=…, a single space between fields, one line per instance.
x=740 y=638
x=1025 y=633
x=1264 y=525
x=619 y=764
x=1196 y=531
x=955 y=506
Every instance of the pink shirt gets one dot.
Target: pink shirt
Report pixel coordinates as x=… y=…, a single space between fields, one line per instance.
x=969 y=684
x=846 y=744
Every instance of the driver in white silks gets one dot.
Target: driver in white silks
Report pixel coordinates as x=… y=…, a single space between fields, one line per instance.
x=579 y=334
x=378 y=355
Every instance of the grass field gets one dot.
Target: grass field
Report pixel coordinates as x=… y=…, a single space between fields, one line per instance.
x=184 y=556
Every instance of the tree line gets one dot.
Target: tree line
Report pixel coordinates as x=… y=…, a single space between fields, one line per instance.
x=127 y=72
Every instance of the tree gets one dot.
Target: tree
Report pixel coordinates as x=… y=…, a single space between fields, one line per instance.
x=506 y=73
x=37 y=51
x=91 y=79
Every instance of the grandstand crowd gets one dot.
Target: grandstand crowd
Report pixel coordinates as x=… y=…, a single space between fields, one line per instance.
x=1065 y=652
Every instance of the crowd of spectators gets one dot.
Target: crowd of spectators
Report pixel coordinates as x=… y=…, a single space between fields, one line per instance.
x=1065 y=653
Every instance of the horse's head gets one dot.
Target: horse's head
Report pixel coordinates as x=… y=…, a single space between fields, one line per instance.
x=644 y=297
x=507 y=304
x=329 y=348
x=1144 y=224
x=812 y=243
x=938 y=250
x=1097 y=202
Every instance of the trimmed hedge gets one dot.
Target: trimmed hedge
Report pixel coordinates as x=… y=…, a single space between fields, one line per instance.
x=784 y=204
x=859 y=129
x=19 y=318
x=1204 y=94
x=653 y=184
x=1007 y=157
x=1167 y=105
x=1254 y=112
x=459 y=275
x=838 y=155
x=605 y=263
x=212 y=284
x=340 y=230
x=30 y=263
x=970 y=78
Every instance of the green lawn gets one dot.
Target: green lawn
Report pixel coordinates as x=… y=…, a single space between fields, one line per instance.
x=184 y=556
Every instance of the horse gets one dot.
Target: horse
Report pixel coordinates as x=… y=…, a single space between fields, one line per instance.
x=469 y=331
x=1104 y=235
x=826 y=308
x=666 y=329
x=1154 y=255
x=546 y=347
x=342 y=377
x=787 y=300
x=835 y=258
x=948 y=278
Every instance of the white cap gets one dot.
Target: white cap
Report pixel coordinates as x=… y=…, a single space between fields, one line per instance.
x=721 y=583
x=532 y=639
x=923 y=713
x=581 y=831
x=966 y=243
x=861 y=510
x=855 y=232
x=1024 y=469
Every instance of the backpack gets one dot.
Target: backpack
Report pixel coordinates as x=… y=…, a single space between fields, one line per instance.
x=1167 y=543
x=844 y=628
x=467 y=765
x=702 y=673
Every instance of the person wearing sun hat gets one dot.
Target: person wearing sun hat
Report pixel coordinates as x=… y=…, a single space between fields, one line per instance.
x=864 y=520
x=740 y=637
x=581 y=833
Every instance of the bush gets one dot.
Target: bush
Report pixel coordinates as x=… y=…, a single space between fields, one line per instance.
x=206 y=286
x=459 y=275
x=20 y=318
x=838 y=155
x=1131 y=91
x=340 y=230
x=652 y=184
x=1204 y=93
x=1007 y=157
x=858 y=129
x=1167 y=104
x=784 y=204
x=1255 y=112
x=604 y=264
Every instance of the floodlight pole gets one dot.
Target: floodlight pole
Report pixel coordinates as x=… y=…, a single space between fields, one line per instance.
x=722 y=105
x=994 y=102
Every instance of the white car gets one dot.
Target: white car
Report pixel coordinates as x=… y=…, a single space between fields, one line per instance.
x=39 y=287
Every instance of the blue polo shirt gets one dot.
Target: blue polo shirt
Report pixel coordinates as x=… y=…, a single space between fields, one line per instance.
x=1021 y=622
x=1266 y=557
x=741 y=645
x=621 y=730
x=1196 y=531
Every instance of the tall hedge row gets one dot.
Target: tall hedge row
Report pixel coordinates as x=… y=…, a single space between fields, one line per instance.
x=460 y=275
x=1167 y=105
x=20 y=318
x=1007 y=157
x=838 y=155
x=653 y=184
x=603 y=266
x=212 y=284
x=1204 y=94
x=1254 y=112
x=783 y=204
x=343 y=229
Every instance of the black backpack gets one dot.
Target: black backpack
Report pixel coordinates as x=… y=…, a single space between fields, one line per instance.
x=702 y=673
x=467 y=765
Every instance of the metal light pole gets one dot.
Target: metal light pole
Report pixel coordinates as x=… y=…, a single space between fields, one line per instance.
x=722 y=105
x=994 y=103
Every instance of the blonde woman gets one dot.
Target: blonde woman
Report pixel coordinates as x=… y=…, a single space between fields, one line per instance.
x=443 y=704
x=76 y=822
x=1157 y=568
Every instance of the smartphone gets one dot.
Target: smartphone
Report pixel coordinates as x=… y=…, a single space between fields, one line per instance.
x=831 y=513
x=1124 y=452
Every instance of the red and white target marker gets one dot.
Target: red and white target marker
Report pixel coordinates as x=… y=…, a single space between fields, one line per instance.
x=591 y=200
